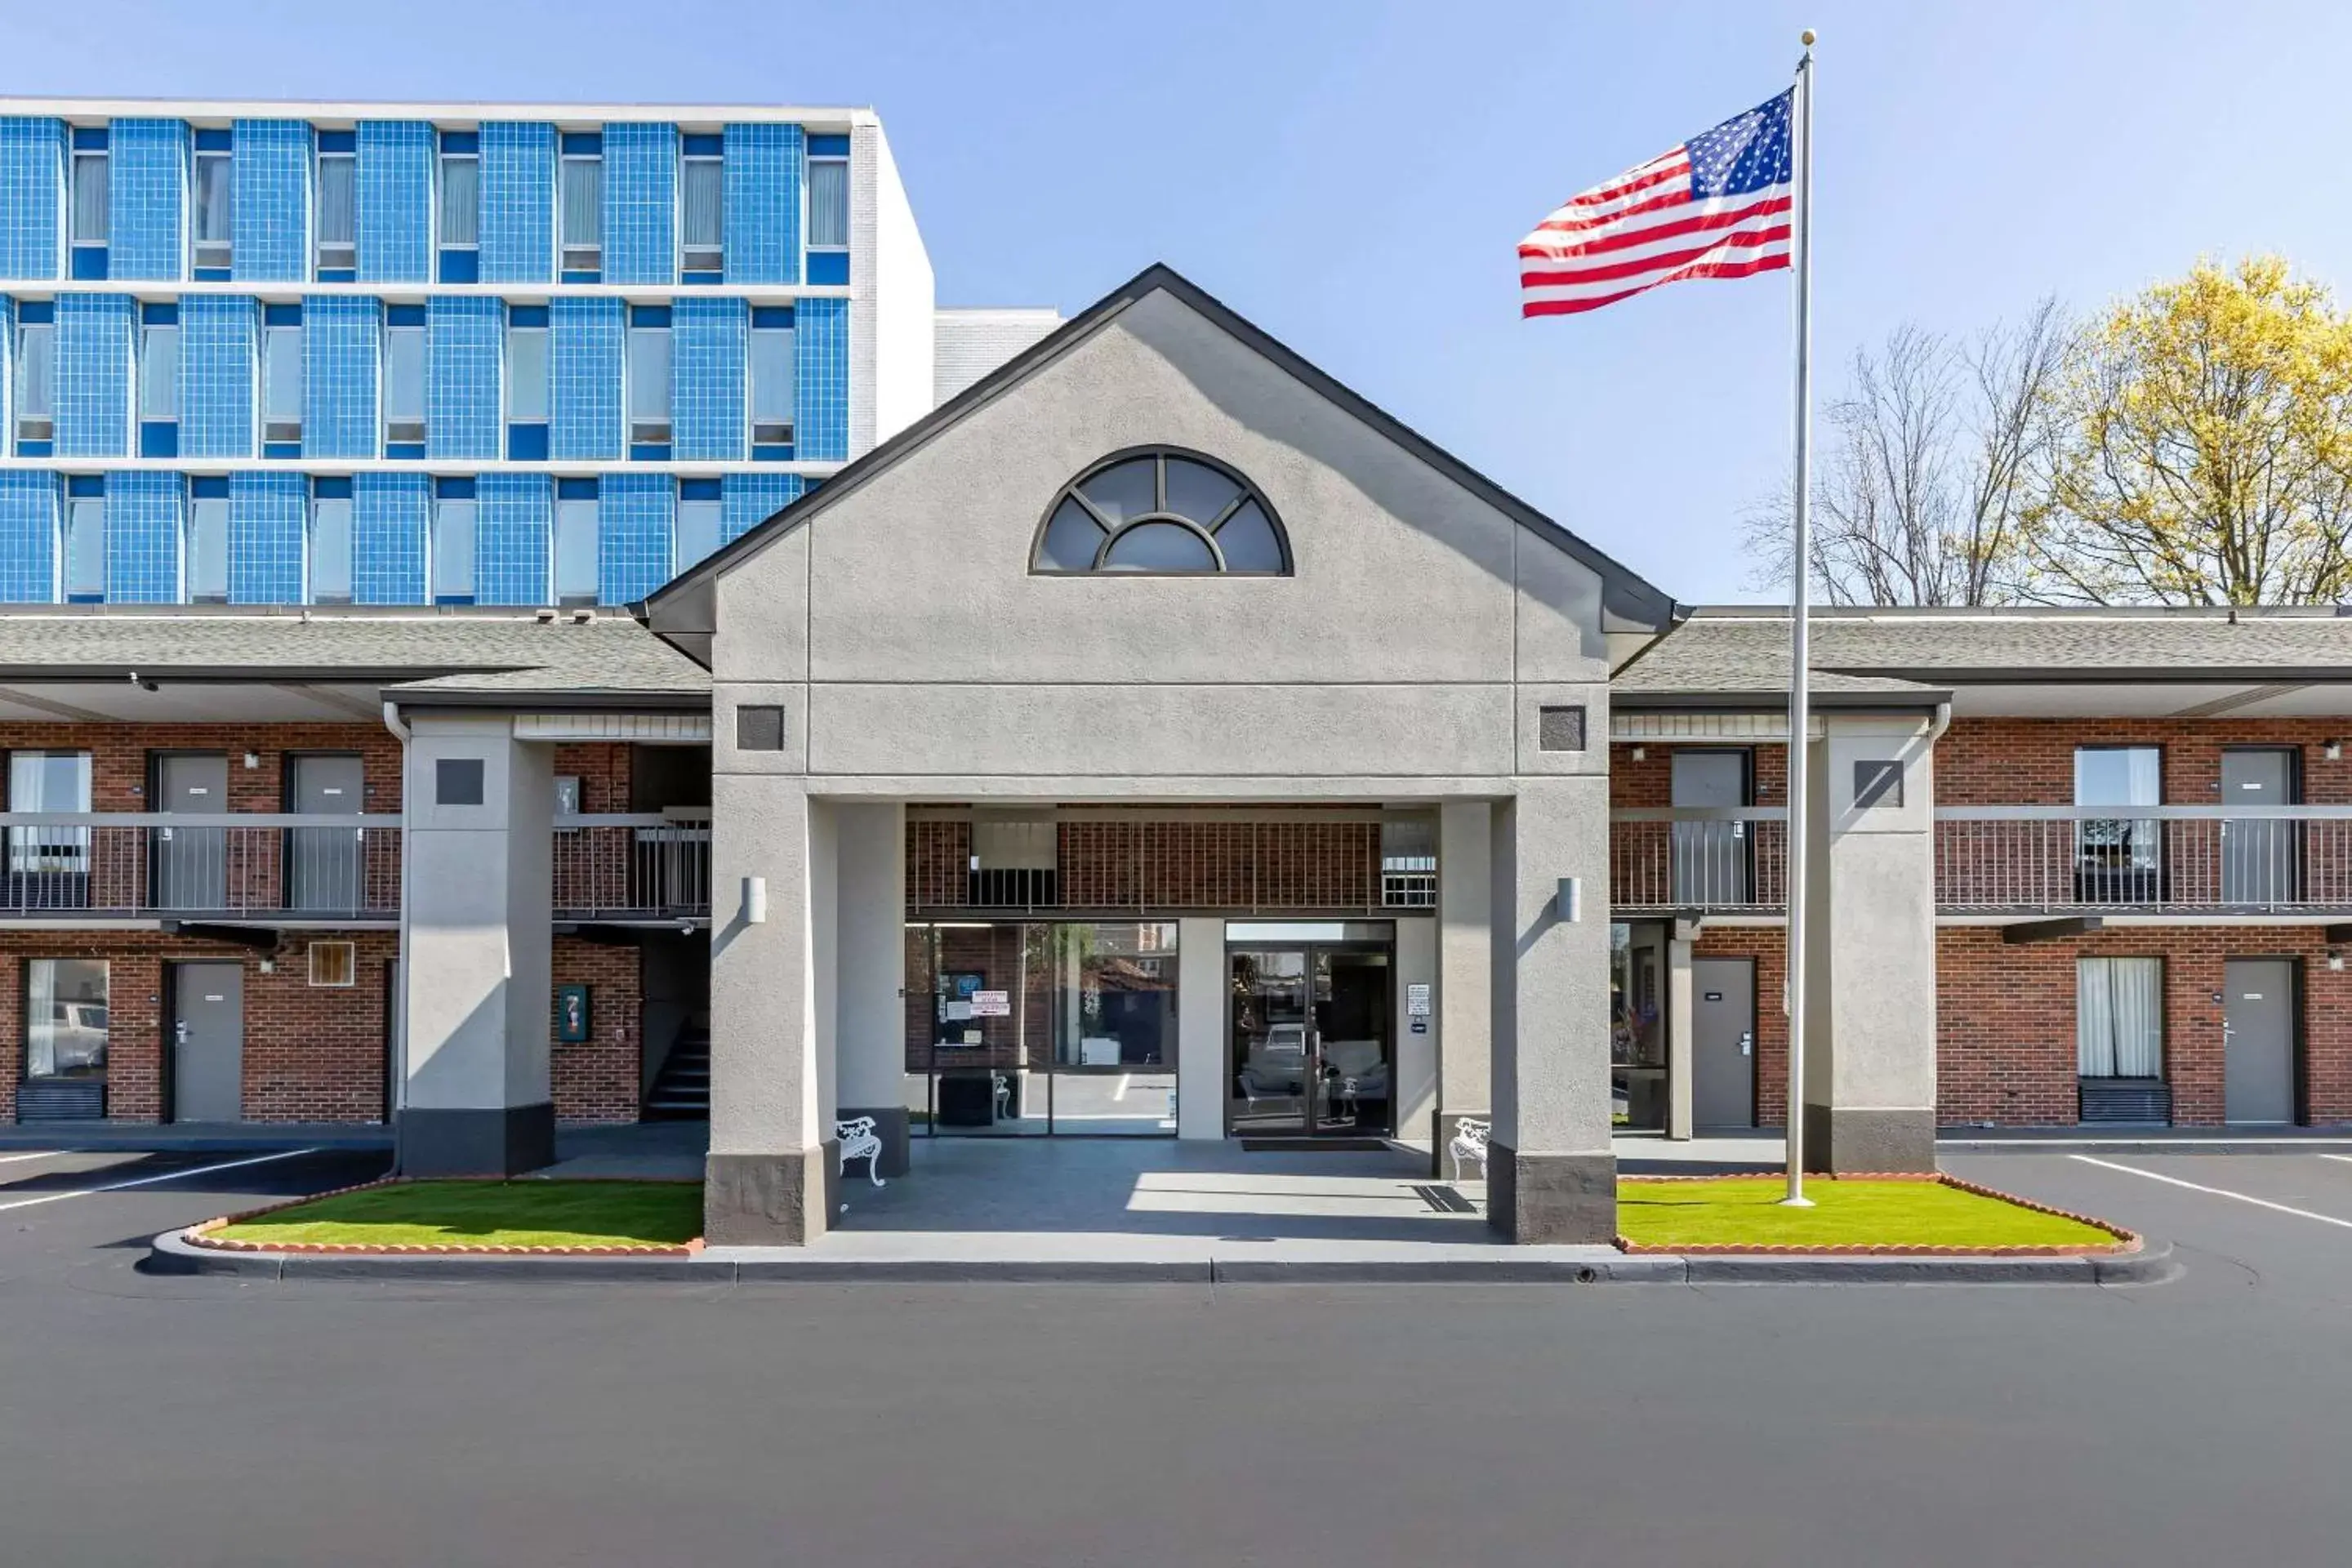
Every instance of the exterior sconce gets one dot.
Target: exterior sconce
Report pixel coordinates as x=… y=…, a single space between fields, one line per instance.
x=1565 y=902
x=2333 y=750
x=755 y=900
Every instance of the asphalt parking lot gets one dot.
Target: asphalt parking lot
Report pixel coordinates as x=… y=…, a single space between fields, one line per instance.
x=211 y=1421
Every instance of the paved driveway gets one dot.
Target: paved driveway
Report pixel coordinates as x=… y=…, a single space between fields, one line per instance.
x=203 y=1421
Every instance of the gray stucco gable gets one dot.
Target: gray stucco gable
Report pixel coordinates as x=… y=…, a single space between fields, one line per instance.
x=686 y=614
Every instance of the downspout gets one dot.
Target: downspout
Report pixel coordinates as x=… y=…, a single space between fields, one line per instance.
x=1936 y=727
x=396 y=1100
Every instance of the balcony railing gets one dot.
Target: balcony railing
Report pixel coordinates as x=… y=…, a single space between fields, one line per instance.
x=281 y=866
x=2013 y=859
x=2157 y=859
x=1726 y=859
x=634 y=866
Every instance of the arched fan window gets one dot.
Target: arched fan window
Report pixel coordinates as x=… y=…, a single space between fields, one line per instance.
x=1162 y=509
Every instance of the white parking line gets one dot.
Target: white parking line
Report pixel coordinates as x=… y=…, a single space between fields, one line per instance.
x=36 y=1154
x=150 y=1180
x=2217 y=1191
x=2345 y=1158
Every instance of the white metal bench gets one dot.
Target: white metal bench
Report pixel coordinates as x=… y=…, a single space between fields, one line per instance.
x=1470 y=1143
x=860 y=1142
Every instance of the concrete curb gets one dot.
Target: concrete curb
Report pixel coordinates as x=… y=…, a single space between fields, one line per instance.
x=171 y=1253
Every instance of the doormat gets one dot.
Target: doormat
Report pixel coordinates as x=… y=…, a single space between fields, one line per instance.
x=1315 y=1146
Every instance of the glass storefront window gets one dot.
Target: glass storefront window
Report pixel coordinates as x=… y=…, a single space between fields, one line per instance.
x=1637 y=1025
x=1028 y=1028
x=65 y=1017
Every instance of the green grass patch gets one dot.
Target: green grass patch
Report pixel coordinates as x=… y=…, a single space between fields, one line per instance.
x=1747 y=1212
x=486 y=1214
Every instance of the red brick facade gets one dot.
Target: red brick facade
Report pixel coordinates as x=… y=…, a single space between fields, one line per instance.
x=598 y=1081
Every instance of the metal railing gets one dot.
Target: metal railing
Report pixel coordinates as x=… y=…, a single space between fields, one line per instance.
x=2165 y=859
x=1721 y=859
x=634 y=866
x=68 y=865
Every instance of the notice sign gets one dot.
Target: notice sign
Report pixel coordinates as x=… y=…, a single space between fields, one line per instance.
x=992 y=1004
x=1416 y=1001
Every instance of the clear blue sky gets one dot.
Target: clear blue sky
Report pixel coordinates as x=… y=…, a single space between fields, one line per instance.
x=1352 y=175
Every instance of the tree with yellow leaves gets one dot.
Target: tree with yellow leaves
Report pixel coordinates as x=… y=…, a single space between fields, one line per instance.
x=2201 y=449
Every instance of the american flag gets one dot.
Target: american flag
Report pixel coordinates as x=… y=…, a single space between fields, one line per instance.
x=1716 y=206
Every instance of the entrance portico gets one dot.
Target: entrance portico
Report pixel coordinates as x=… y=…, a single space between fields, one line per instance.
x=1160 y=572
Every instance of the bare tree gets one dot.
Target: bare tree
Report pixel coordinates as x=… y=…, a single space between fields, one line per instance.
x=1926 y=477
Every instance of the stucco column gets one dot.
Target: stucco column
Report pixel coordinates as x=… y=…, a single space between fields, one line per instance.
x=1679 y=1023
x=771 y=1174
x=1551 y=1175
x=478 y=987
x=1202 y=1006
x=870 y=1005
x=1466 y=969
x=1870 y=1035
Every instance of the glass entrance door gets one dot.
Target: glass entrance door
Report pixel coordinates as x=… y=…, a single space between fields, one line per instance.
x=1311 y=1041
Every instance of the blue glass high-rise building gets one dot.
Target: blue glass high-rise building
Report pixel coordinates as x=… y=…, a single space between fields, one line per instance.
x=417 y=353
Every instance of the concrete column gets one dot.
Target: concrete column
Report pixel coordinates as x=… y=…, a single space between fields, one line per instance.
x=1414 y=1051
x=476 y=979
x=870 y=1006
x=773 y=1175
x=1678 y=1037
x=1870 y=1035
x=1551 y=1174
x=1466 y=969
x=1201 y=1008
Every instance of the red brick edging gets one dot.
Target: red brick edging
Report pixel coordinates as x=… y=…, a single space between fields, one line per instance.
x=203 y=1235
x=2125 y=1241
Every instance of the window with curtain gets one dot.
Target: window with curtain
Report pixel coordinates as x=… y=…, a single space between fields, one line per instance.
x=461 y=200
x=702 y=215
x=404 y=383
x=583 y=212
x=213 y=193
x=281 y=384
x=2119 y=1017
x=48 y=780
x=452 y=550
x=90 y=200
x=772 y=386
x=697 y=530
x=85 y=552
x=208 y=551
x=330 y=551
x=828 y=203
x=527 y=373
x=337 y=175
x=159 y=372
x=36 y=382
x=575 y=552
x=649 y=384
x=65 y=1017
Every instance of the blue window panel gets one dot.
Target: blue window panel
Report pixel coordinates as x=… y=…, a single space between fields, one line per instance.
x=747 y=500
x=828 y=267
x=32 y=217
x=219 y=338
x=460 y=266
x=388 y=522
x=821 y=390
x=269 y=200
x=146 y=525
x=518 y=221
x=7 y=374
x=636 y=518
x=342 y=351
x=833 y=146
x=31 y=515
x=585 y=340
x=526 y=442
x=268 y=517
x=763 y=168
x=93 y=393
x=514 y=529
x=707 y=410
x=640 y=204
x=159 y=438
x=393 y=217
x=147 y=199
x=465 y=340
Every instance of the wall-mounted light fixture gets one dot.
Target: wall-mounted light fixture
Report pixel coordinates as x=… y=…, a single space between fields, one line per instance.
x=1640 y=753
x=2331 y=750
x=755 y=900
x=2335 y=960
x=252 y=761
x=1564 y=903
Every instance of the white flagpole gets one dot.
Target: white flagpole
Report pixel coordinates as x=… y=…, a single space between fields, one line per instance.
x=1800 y=569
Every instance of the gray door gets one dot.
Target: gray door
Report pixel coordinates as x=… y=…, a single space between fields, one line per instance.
x=1710 y=859
x=2258 y=1039
x=324 y=864
x=209 y=1042
x=2259 y=863
x=1723 y=1042
x=190 y=864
